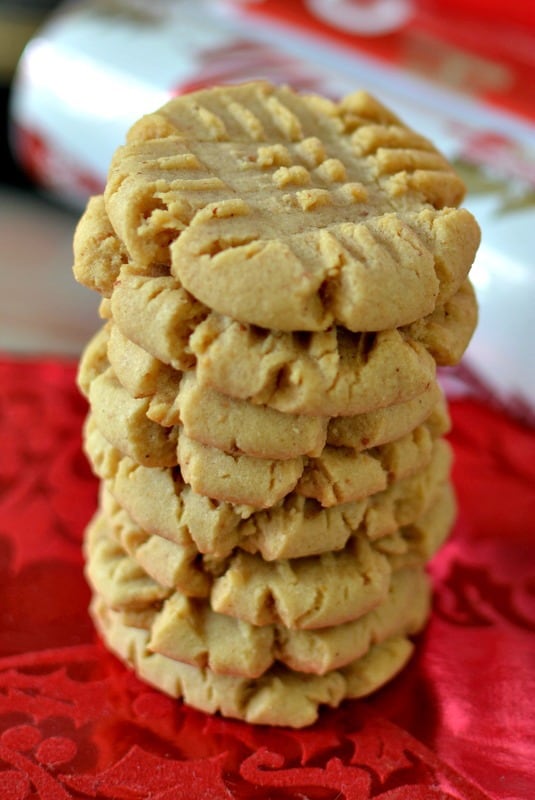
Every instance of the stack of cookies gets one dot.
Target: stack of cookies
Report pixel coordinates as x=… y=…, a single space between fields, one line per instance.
x=280 y=277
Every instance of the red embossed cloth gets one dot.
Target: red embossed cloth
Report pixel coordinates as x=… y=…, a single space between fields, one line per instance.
x=74 y=723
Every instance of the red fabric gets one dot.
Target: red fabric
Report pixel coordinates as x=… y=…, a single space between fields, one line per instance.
x=74 y=723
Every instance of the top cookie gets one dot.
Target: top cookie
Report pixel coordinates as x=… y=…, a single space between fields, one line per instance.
x=290 y=211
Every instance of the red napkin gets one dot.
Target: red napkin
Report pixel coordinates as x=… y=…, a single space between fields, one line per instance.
x=75 y=723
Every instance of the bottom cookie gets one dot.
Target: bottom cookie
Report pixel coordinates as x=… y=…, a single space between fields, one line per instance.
x=280 y=697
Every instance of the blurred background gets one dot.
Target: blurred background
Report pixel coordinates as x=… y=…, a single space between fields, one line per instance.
x=75 y=75
x=42 y=310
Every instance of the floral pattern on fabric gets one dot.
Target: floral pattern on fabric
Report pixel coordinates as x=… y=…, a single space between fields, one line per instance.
x=74 y=723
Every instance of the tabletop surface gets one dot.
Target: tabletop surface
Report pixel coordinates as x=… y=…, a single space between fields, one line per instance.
x=42 y=308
